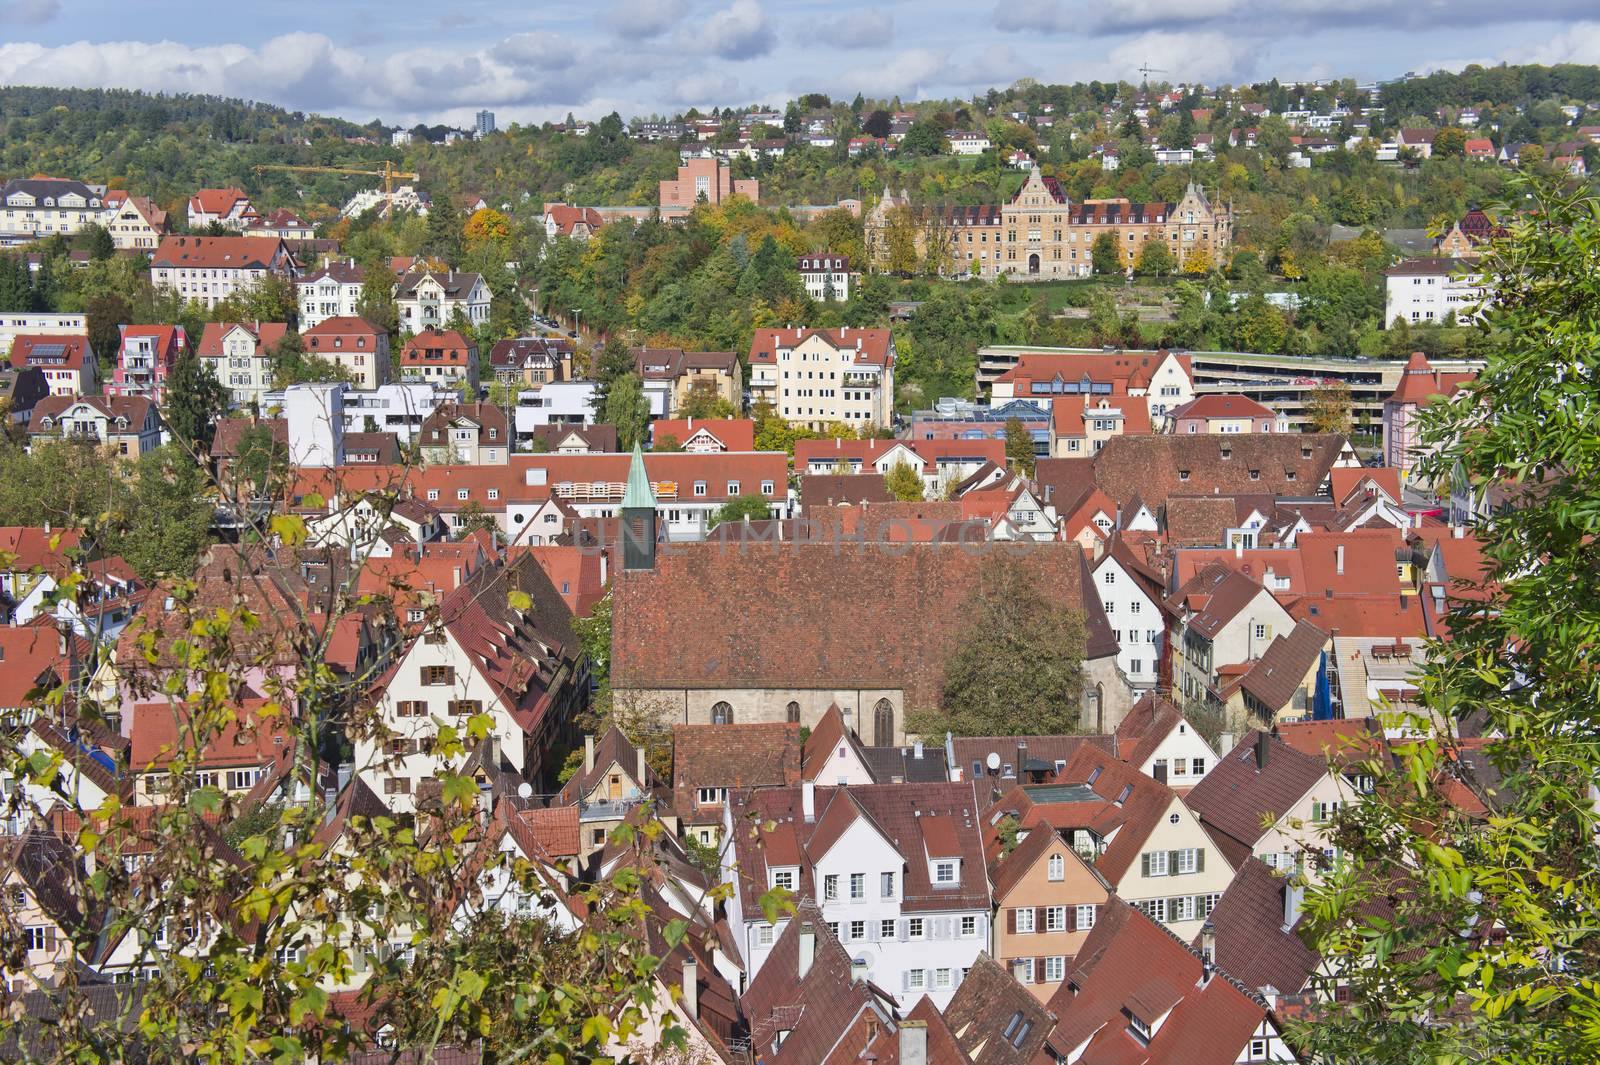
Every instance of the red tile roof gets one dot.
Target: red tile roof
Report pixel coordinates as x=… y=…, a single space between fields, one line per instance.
x=1131 y=965
x=33 y=657
x=1223 y=406
x=734 y=434
x=266 y=334
x=220 y=202
x=48 y=351
x=218 y=253
x=162 y=731
x=1240 y=793
x=1420 y=383
x=453 y=349
x=1252 y=944
x=872 y=345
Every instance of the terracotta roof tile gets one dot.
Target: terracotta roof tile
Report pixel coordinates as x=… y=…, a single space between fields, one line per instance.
x=1239 y=793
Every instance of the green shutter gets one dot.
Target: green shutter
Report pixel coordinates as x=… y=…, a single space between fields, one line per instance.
x=1144 y=864
x=1172 y=863
x=1200 y=860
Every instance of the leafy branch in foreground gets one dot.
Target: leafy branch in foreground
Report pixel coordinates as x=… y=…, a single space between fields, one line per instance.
x=1473 y=939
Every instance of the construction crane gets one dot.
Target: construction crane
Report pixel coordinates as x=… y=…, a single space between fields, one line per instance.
x=1148 y=70
x=388 y=173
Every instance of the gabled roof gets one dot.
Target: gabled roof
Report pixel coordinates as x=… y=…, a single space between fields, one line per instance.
x=457 y=284
x=872 y=346
x=1156 y=467
x=49 y=351
x=1130 y=965
x=221 y=202
x=1149 y=721
x=1281 y=670
x=1240 y=791
x=734 y=434
x=266 y=335
x=732 y=756
x=899 y=813
x=827 y=607
x=611 y=749
x=996 y=1020
x=1216 y=595
x=218 y=253
x=163 y=731
x=1252 y=944
x=35 y=657
x=829 y=489
x=135 y=410
x=813 y=1011
x=1222 y=406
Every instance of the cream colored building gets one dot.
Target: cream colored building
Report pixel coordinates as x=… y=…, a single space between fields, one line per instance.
x=816 y=376
x=1042 y=234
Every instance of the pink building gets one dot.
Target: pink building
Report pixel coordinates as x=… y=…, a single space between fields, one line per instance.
x=709 y=178
x=146 y=354
x=1420 y=385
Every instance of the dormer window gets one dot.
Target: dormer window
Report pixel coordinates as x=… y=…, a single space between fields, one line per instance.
x=945 y=873
x=786 y=878
x=1137 y=1028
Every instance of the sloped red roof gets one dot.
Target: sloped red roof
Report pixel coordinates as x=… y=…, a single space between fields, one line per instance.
x=1420 y=383
x=871 y=345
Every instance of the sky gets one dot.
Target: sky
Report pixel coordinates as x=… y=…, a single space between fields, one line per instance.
x=406 y=61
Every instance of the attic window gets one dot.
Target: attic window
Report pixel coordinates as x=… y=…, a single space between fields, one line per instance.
x=1137 y=1028
x=1305 y=452
x=1227 y=452
x=1183 y=475
x=1255 y=475
x=1122 y=796
x=1288 y=475
x=1094 y=774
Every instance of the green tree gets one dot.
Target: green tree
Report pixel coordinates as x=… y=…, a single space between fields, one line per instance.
x=260 y=467
x=1106 y=253
x=1017 y=668
x=900 y=236
x=16 y=288
x=1259 y=326
x=106 y=315
x=96 y=240
x=1019 y=447
x=628 y=409
x=1329 y=408
x=925 y=137
x=169 y=515
x=1449 y=142
x=702 y=401
x=1155 y=259
x=474 y=518
x=194 y=400
x=904 y=482
x=1461 y=938
x=749 y=505
x=376 y=302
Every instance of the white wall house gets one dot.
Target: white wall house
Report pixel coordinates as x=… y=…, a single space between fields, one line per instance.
x=913 y=915
x=1431 y=291
x=826 y=276
x=429 y=299
x=816 y=376
x=331 y=291
x=42 y=207
x=1135 y=616
x=397 y=407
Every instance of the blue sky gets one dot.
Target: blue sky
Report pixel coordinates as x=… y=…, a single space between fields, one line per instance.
x=407 y=61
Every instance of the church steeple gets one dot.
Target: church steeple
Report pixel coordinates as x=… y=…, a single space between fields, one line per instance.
x=638 y=517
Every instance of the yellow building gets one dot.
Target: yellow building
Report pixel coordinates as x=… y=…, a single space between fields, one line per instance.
x=1041 y=234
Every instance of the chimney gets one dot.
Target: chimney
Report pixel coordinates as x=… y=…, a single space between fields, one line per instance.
x=913 y=1042
x=808 y=801
x=588 y=754
x=1338 y=560
x=1022 y=760
x=858 y=970
x=1261 y=748
x=916 y=750
x=1238 y=549
x=808 y=950
x=1208 y=943
x=1293 y=895
x=691 y=988
x=1159 y=771
x=1457 y=532
x=639 y=766
x=1224 y=744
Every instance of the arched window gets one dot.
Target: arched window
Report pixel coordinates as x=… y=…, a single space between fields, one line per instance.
x=791 y=713
x=1057 y=867
x=1097 y=707
x=883 y=724
x=721 y=714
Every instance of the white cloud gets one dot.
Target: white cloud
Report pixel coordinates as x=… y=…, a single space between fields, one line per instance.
x=739 y=31
x=704 y=88
x=1579 y=44
x=858 y=29
x=637 y=19
x=1258 y=17
x=1206 y=57
x=308 y=71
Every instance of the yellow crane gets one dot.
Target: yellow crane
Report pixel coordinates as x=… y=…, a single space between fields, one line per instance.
x=388 y=173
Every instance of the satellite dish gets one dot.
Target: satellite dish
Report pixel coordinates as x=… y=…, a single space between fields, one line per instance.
x=524 y=790
x=993 y=762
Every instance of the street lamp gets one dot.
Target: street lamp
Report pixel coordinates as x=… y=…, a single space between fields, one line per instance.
x=577 y=316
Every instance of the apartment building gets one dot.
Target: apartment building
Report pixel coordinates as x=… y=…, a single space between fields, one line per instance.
x=816 y=376
x=210 y=269
x=239 y=355
x=39 y=206
x=429 y=299
x=354 y=345
x=332 y=290
x=705 y=180
x=145 y=357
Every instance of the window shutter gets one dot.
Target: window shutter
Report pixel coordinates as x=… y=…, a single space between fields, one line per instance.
x=423 y=679
x=904 y=927
x=1072 y=918
x=1200 y=859
x=1011 y=920
x=1038 y=918
x=1144 y=864
x=50 y=938
x=1172 y=863
x=905 y=980
x=1038 y=970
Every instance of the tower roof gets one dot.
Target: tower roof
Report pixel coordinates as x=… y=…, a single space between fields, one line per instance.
x=638 y=494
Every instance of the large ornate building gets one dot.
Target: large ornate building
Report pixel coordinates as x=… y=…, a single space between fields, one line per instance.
x=1042 y=234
